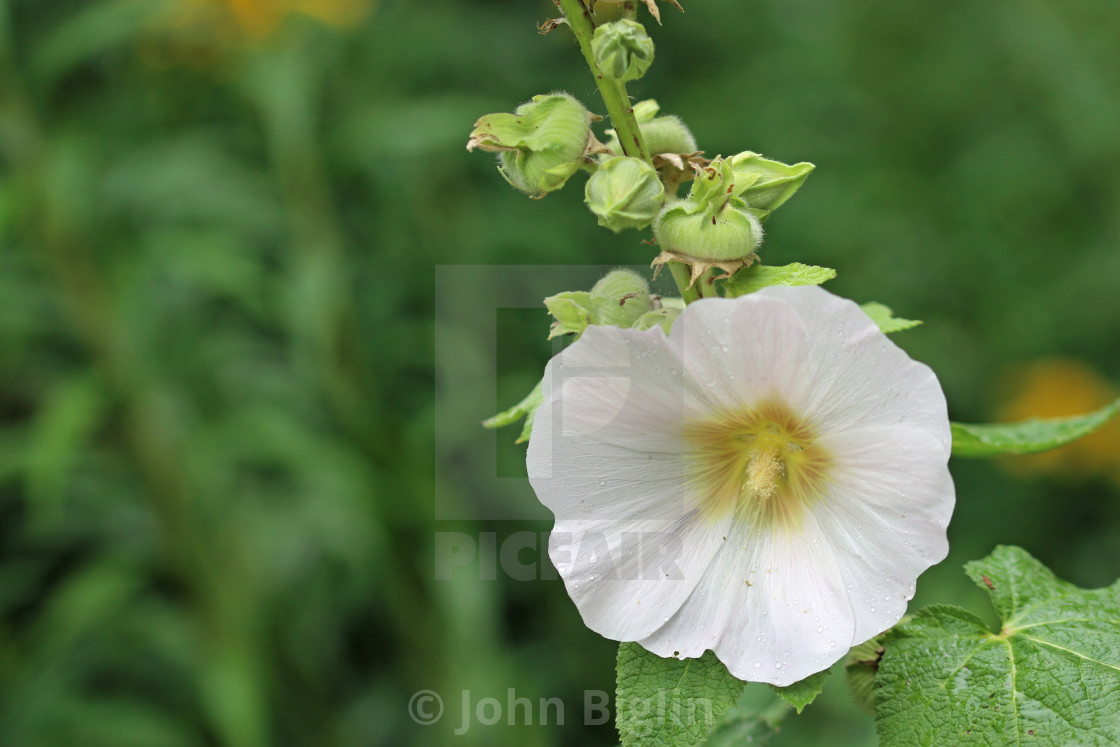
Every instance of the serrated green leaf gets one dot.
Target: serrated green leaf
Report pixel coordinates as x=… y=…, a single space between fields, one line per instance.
x=670 y=702
x=803 y=692
x=757 y=277
x=1028 y=436
x=885 y=318
x=1049 y=678
x=526 y=408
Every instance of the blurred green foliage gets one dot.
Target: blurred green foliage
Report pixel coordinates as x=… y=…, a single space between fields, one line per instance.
x=217 y=362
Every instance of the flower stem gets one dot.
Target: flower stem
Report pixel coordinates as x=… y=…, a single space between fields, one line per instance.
x=619 y=110
x=613 y=92
x=680 y=274
x=707 y=285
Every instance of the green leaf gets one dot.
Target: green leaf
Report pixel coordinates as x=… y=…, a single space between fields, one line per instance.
x=744 y=724
x=803 y=692
x=526 y=408
x=885 y=318
x=757 y=277
x=670 y=702
x=1026 y=437
x=860 y=666
x=1049 y=678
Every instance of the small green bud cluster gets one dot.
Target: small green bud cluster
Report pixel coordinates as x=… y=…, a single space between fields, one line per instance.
x=624 y=193
x=623 y=50
x=718 y=224
x=620 y=299
x=541 y=145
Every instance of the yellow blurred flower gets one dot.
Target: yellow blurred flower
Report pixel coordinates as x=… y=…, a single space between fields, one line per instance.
x=199 y=33
x=261 y=17
x=1059 y=387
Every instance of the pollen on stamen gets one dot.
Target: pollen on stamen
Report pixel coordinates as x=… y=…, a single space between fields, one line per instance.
x=764 y=468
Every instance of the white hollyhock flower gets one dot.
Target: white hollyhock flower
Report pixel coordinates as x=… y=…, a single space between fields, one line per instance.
x=767 y=481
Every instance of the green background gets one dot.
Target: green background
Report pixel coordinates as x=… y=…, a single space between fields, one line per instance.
x=229 y=443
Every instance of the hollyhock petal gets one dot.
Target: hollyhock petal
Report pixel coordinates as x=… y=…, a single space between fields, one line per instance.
x=621 y=387
x=886 y=513
x=629 y=577
x=856 y=375
x=773 y=607
x=743 y=349
x=607 y=457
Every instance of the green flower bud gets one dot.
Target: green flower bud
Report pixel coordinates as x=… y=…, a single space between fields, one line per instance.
x=711 y=227
x=764 y=184
x=619 y=299
x=624 y=193
x=623 y=50
x=540 y=145
x=667 y=134
x=727 y=235
x=622 y=297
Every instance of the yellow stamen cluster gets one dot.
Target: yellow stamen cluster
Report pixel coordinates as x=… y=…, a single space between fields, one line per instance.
x=762 y=464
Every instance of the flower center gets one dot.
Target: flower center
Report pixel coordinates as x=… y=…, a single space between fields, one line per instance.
x=764 y=468
x=762 y=464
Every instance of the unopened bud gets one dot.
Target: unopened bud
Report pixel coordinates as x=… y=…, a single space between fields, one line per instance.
x=624 y=193
x=540 y=145
x=619 y=299
x=623 y=50
x=728 y=235
x=622 y=297
x=711 y=227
